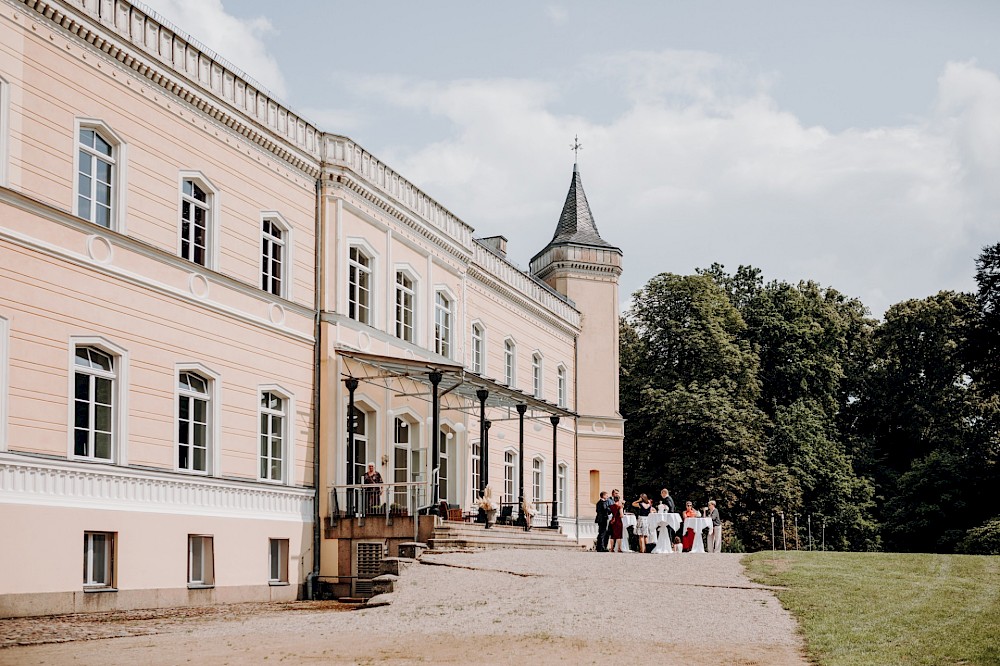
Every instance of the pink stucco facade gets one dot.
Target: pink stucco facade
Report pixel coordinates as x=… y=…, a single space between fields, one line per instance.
x=176 y=292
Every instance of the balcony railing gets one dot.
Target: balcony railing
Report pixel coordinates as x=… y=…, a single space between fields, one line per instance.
x=377 y=500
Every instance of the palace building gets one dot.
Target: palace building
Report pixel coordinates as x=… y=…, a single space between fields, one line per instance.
x=216 y=317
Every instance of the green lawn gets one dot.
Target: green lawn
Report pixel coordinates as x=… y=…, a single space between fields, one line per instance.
x=888 y=608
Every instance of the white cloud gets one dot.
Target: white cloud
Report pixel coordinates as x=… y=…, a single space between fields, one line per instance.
x=240 y=41
x=703 y=165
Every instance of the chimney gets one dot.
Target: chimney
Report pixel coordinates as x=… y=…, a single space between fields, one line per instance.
x=496 y=243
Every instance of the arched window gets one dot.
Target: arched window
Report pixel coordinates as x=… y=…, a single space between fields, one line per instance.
x=273 y=420
x=442 y=324
x=274 y=261
x=561 y=374
x=193 y=432
x=561 y=490
x=536 y=375
x=509 y=476
x=99 y=184
x=509 y=362
x=356 y=473
x=404 y=306
x=477 y=349
x=537 y=479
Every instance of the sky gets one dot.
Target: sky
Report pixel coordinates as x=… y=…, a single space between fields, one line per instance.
x=855 y=144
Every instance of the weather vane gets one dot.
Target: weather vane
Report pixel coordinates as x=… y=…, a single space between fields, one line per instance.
x=576 y=147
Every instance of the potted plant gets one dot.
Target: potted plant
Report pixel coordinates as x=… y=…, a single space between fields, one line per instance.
x=488 y=505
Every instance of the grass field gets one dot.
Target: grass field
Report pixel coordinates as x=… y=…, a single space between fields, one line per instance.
x=888 y=608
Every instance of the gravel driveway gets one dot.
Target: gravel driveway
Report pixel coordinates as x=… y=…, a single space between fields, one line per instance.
x=502 y=606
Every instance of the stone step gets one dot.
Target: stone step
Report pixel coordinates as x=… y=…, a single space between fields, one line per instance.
x=494 y=535
x=452 y=544
x=395 y=565
x=412 y=549
x=384 y=584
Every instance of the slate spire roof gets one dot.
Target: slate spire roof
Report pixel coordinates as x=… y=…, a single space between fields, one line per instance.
x=576 y=224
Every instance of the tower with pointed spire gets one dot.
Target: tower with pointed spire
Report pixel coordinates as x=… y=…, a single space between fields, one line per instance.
x=581 y=265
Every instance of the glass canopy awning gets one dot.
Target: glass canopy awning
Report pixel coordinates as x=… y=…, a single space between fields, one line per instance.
x=390 y=372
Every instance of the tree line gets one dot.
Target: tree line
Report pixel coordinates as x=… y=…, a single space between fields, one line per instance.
x=777 y=397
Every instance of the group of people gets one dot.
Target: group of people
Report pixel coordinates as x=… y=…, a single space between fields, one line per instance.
x=611 y=524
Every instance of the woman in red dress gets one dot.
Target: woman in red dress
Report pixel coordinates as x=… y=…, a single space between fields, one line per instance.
x=616 y=527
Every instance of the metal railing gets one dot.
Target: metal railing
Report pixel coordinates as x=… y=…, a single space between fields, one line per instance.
x=542 y=518
x=369 y=500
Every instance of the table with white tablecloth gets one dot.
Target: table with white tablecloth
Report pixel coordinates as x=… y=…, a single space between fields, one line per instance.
x=697 y=524
x=658 y=523
x=628 y=520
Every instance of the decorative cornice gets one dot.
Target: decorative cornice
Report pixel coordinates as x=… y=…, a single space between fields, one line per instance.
x=199 y=275
x=568 y=324
x=76 y=485
x=269 y=125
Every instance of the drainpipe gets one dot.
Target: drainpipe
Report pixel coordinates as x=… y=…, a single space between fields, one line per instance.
x=576 y=430
x=312 y=580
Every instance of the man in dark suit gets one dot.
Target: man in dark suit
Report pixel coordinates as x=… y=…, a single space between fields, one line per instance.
x=603 y=514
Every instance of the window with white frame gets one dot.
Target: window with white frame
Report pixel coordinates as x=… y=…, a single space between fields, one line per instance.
x=561 y=374
x=357 y=473
x=196 y=210
x=277 y=560
x=404 y=306
x=561 y=489
x=477 y=348
x=97 y=175
x=509 y=478
x=444 y=465
x=442 y=324
x=509 y=362
x=99 y=559
x=537 y=475
x=201 y=561
x=536 y=375
x=193 y=409
x=4 y=369
x=476 y=454
x=272 y=436
x=94 y=379
x=359 y=285
x=273 y=257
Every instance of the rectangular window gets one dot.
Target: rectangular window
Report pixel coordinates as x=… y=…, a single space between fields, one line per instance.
x=562 y=386
x=195 y=207
x=477 y=349
x=272 y=436
x=442 y=324
x=359 y=269
x=536 y=479
x=192 y=422
x=508 y=476
x=98 y=559
x=443 y=467
x=277 y=560
x=404 y=306
x=536 y=375
x=272 y=257
x=93 y=403
x=95 y=177
x=508 y=362
x=476 y=453
x=201 y=561
x=561 y=491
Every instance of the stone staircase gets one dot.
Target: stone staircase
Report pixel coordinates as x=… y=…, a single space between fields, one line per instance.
x=453 y=535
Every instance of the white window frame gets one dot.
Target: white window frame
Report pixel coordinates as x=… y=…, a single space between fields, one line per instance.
x=371 y=270
x=562 y=378
x=475 y=453
x=288 y=446
x=537 y=377
x=538 y=479
x=371 y=415
x=201 y=573
x=510 y=362
x=444 y=344
x=277 y=549
x=5 y=130
x=412 y=291
x=212 y=196
x=214 y=431
x=562 y=480
x=478 y=348
x=119 y=413
x=119 y=171
x=4 y=378
x=110 y=542
x=512 y=465
x=287 y=243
